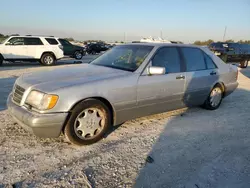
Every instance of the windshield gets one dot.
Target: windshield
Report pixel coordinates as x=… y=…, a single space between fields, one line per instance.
x=1 y=42
x=124 y=57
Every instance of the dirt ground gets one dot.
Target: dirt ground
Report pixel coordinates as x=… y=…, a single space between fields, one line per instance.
x=191 y=148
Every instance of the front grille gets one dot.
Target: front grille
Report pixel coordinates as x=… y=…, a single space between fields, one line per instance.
x=18 y=94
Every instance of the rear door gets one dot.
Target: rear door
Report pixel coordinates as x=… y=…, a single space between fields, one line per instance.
x=201 y=75
x=32 y=45
x=159 y=93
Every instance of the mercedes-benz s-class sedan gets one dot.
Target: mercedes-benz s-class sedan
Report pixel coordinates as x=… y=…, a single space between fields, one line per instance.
x=127 y=82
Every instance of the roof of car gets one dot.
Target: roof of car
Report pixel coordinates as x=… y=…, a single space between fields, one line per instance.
x=161 y=44
x=32 y=36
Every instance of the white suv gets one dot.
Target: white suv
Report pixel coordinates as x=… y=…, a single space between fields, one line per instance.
x=46 y=50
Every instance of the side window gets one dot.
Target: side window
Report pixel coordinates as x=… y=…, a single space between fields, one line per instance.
x=51 y=41
x=169 y=58
x=16 y=41
x=209 y=62
x=32 y=41
x=194 y=59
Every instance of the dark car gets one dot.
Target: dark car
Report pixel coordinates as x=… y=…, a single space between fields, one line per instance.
x=95 y=48
x=71 y=50
x=232 y=52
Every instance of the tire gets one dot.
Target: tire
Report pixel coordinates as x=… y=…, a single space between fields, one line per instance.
x=244 y=63
x=48 y=59
x=214 y=103
x=84 y=126
x=1 y=60
x=78 y=55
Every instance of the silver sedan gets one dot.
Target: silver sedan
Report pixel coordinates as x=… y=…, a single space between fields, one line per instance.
x=127 y=82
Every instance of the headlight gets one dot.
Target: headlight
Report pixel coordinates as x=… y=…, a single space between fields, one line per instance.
x=41 y=101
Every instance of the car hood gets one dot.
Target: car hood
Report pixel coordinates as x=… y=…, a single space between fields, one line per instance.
x=50 y=80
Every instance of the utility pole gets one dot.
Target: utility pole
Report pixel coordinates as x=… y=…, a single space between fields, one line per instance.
x=224 y=33
x=161 y=34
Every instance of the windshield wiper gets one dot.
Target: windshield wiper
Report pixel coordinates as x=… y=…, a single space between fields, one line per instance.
x=114 y=67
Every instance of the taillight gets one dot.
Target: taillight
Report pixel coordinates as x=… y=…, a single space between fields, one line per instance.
x=61 y=47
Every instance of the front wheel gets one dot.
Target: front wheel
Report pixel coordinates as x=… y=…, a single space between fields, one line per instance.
x=214 y=99
x=88 y=122
x=244 y=64
x=48 y=59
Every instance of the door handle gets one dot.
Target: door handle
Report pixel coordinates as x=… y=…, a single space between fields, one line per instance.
x=213 y=73
x=180 y=77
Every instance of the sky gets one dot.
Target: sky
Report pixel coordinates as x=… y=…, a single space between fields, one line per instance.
x=110 y=20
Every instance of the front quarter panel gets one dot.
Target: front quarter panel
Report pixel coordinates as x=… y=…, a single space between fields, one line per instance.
x=120 y=92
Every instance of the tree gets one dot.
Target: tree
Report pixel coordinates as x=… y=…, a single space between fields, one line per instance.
x=203 y=43
x=230 y=40
x=197 y=42
x=69 y=39
x=244 y=41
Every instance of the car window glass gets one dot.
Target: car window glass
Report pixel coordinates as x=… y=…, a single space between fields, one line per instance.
x=127 y=57
x=51 y=41
x=168 y=58
x=32 y=41
x=194 y=59
x=64 y=42
x=209 y=62
x=16 y=41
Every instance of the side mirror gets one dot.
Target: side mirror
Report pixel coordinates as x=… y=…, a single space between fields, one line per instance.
x=156 y=70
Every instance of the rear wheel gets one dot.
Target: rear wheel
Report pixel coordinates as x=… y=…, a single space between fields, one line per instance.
x=78 y=55
x=88 y=122
x=1 y=60
x=244 y=64
x=214 y=99
x=48 y=59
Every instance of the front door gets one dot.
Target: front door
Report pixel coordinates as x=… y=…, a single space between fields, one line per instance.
x=160 y=93
x=201 y=75
x=15 y=49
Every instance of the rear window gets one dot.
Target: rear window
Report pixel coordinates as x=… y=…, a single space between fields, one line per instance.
x=209 y=62
x=32 y=41
x=51 y=41
x=194 y=59
x=64 y=42
x=216 y=45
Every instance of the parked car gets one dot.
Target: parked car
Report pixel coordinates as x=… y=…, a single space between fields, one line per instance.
x=31 y=48
x=126 y=82
x=95 y=48
x=232 y=52
x=71 y=50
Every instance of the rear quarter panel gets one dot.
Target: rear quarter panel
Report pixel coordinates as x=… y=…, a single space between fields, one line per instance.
x=227 y=73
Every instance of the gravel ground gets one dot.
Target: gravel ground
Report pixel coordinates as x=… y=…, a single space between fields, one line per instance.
x=187 y=148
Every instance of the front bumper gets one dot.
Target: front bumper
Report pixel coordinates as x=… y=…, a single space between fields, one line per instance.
x=42 y=125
